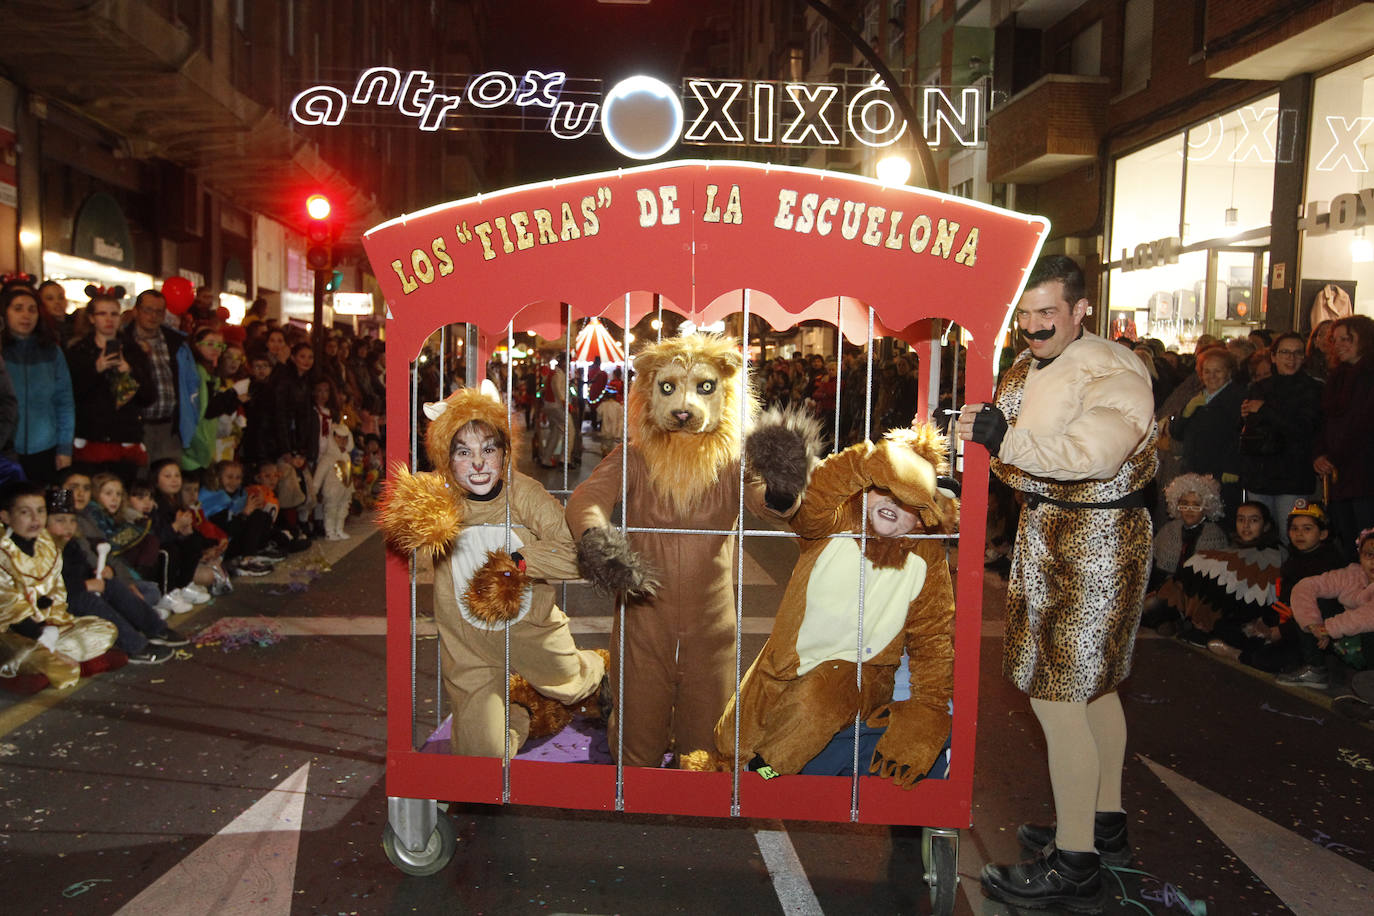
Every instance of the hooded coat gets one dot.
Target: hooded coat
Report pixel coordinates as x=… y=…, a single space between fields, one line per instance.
x=802 y=688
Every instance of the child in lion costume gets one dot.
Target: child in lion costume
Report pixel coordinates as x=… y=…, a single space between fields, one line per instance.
x=682 y=470
x=484 y=583
x=802 y=689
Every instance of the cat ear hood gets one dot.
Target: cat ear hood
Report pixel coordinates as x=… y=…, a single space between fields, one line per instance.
x=456 y=411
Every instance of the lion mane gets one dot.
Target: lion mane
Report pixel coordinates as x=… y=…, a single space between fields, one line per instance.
x=684 y=464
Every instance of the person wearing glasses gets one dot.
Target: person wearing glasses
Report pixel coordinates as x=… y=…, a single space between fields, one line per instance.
x=211 y=399
x=162 y=355
x=1282 y=416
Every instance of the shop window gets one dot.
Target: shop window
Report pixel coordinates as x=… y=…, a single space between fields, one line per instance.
x=1231 y=172
x=1147 y=194
x=1167 y=302
x=1338 y=239
x=1137 y=44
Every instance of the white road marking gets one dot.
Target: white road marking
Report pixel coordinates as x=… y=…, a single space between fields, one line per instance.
x=1308 y=878
x=249 y=867
x=376 y=626
x=789 y=878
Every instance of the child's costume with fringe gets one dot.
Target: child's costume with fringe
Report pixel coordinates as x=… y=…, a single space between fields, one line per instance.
x=479 y=588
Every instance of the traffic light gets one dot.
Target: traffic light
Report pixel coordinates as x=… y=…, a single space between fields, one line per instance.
x=319 y=233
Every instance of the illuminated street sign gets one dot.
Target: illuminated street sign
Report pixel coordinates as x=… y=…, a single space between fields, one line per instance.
x=704 y=112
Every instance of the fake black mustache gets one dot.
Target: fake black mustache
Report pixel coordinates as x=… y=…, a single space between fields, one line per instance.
x=1038 y=335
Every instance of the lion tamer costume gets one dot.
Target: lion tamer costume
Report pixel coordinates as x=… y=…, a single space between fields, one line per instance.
x=681 y=470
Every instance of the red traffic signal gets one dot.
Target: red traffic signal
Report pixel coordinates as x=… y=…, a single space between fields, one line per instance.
x=320 y=233
x=317 y=205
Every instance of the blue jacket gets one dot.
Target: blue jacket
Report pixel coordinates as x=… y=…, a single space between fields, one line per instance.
x=47 y=411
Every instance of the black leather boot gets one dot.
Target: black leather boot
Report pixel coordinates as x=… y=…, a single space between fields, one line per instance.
x=1054 y=878
x=1109 y=837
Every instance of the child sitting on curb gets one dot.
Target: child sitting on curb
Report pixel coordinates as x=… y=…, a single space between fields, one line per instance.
x=93 y=590
x=1347 y=633
x=42 y=640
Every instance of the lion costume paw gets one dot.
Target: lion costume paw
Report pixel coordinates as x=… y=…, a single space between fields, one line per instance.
x=606 y=561
x=780 y=449
x=547 y=716
x=496 y=592
x=419 y=512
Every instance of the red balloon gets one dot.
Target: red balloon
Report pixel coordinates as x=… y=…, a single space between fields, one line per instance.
x=179 y=294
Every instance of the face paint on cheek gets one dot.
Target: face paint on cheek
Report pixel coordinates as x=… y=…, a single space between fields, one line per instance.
x=1038 y=335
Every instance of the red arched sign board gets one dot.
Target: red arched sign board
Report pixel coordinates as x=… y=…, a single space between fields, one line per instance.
x=803 y=244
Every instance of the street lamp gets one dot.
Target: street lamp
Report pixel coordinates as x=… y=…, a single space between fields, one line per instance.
x=893 y=169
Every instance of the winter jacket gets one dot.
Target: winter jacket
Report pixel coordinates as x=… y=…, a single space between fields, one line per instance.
x=43 y=385
x=97 y=417
x=1210 y=438
x=1347 y=438
x=293 y=424
x=1351 y=587
x=1285 y=425
x=200 y=451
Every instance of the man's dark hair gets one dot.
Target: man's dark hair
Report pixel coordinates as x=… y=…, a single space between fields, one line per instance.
x=15 y=489
x=147 y=294
x=1059 y=267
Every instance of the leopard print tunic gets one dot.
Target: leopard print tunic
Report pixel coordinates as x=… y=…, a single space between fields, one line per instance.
x=1078 y=576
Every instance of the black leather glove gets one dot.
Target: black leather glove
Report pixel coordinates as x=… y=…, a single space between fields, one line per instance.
x=989 y=428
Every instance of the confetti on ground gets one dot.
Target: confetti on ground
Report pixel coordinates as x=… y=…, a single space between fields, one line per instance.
x=232 y=633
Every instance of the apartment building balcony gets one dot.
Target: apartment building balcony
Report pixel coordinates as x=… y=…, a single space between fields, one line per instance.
x=1048 y=129
x=1271 y=40
x=124 y=64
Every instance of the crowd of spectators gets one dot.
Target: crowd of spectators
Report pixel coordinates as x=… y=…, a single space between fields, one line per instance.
x=1266 y=477
x=167 y=454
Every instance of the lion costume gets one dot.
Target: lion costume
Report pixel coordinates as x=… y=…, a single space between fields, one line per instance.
x=802 y=688
x=480 y=587
x=681 y=470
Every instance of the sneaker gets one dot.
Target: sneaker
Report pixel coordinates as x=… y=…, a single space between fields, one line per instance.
x=153 y=654
x=262 y=559
x=1354 y=707
x=174 y=603
x=189 y=597
x=247 y=566
x=1223 y=648
x=1306 y=676
x=169 y=637
x=270 y=554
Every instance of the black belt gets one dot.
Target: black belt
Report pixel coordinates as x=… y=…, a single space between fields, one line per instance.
x=1134 y=500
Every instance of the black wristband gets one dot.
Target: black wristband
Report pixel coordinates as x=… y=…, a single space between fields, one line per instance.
x=989 y=428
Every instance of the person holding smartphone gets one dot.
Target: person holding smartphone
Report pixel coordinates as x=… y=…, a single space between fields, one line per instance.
x=110 y=392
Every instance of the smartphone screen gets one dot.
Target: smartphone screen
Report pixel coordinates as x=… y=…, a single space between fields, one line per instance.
x=111 y=348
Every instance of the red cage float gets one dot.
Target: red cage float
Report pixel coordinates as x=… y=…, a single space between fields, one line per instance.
x=804 y=244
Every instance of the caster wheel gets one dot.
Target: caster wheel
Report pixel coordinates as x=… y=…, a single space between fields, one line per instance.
x=438 y=852
x=942 y=873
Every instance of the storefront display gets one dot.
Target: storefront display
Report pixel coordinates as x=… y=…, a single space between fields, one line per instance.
x=1337 y=248
x=1188 y=247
